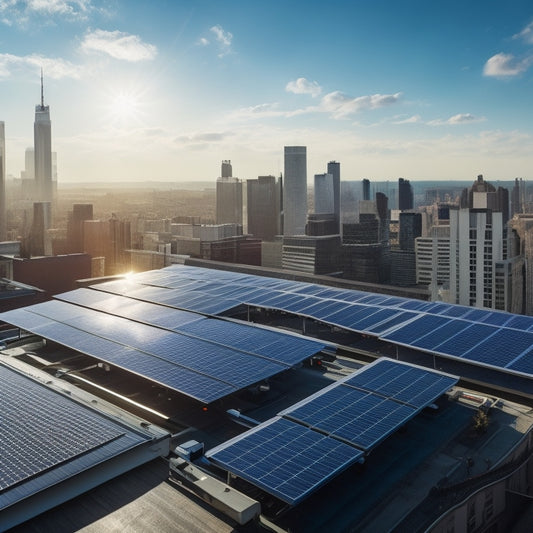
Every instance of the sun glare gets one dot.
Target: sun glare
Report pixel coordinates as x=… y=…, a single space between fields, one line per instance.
x=124 y=106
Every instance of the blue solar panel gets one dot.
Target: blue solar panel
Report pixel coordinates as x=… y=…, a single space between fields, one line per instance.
x=414 y=305
x=520 y=322
x=368 y=323
x=458 y=345
x=441 y=334
x=47 y=437
x=146 y=312
x=280 y=347
x=344 y=316
x=412 y=385
x=524 y=363
x=496 y=318
x=456 y=311
x=395 y=320
x=419 y=327
x=285 y=459
x=194 y=384
x=358 y=417
x=501 y=348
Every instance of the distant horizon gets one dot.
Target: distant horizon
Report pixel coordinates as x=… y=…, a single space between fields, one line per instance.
x=430 y=91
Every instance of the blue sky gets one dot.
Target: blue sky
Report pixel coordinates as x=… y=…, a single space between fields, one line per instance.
x=164 y=90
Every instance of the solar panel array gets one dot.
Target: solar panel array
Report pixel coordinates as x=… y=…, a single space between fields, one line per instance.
x=47 y=437
x=208 y=361
x=284 y=458
x=489 y=338
x=307 y=444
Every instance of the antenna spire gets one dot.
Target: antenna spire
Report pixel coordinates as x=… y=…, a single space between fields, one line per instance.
x=42 y=90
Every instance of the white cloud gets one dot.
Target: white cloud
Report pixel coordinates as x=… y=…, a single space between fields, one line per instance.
x=20 y=11
x=460 y=118
x=415 y=119
x=118 y=45
x=341 y=105
x=55 y=68
x=224 y=39
x=303 y=86
x=203 y=41
x=62 y=7
x=526 y=34
x=505 y=65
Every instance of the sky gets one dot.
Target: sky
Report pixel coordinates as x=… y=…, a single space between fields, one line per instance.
x=164 y=90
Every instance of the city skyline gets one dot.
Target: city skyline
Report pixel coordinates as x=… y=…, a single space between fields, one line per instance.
x=165 y=92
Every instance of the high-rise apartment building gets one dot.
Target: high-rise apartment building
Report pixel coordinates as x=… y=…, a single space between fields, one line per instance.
x=295 y=191
x=476 y=243
x=3 y=217
x=42 y=136
x=405 y=195
x=264 y=210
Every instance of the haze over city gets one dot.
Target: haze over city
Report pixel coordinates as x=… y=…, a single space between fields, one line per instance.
x=164 y=91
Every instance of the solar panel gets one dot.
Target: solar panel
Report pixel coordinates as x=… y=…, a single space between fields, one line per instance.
x=443 y=333
x=524 y=363
x=501 y=348
x=419 y=327
x=412 y=385
x=361 y=418
x=458 y=345
x=285 y=459
x=194 y=384
x=122 y=306
x=47 y=435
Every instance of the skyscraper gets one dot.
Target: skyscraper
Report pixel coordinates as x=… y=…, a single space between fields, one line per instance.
x=263 y=207
x=295 y=190
x=405 y=195
x=229 y=204
x=3 y=232
x=226 y=170
x=334 y=168
x=324 y=194
x=42 y=138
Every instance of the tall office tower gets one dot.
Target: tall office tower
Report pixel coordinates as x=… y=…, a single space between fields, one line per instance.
x=334 y=168
x=40 y=242
x=80 y=213
x=229 y=204
x=516 y=197
x=264 y=212
x=226 y=170
x=3 y=219
x=405 y=195
x=324 y=194
x=350 y=198
x=366 y=189
x=42 y=138
x=295 y=190
x=410 y=229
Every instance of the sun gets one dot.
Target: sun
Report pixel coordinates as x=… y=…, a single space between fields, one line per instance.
x=124 y=106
